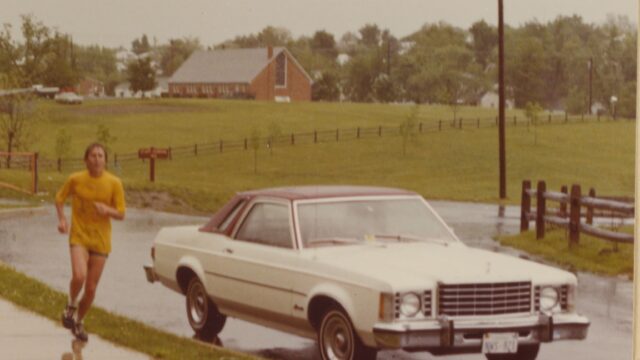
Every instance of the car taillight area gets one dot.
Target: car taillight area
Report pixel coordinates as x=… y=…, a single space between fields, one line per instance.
x=484 y=299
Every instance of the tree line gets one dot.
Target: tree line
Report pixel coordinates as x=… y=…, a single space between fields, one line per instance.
x=563 y=64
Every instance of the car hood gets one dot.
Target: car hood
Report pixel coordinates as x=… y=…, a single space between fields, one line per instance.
x=414 y=264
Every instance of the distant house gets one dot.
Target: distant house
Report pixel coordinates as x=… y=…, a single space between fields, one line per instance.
x=123 y=90
x=491 y=99
x=271 y=74
x=90 y=87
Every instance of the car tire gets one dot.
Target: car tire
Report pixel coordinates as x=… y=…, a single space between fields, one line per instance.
x=203 y=314
x=525 y=352
x=337 y=339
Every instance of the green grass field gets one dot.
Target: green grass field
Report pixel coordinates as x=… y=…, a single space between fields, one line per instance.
x=591 y=254
x=452 y=164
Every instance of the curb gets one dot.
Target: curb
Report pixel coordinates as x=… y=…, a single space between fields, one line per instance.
x=6 y=214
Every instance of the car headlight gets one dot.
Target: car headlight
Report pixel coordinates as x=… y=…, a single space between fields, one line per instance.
x=410 y=304
x=549 y=298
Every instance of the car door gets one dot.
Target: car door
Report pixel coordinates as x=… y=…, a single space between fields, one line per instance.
x=255 y=273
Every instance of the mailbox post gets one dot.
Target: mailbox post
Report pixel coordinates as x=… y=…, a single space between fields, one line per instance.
x=152 y=154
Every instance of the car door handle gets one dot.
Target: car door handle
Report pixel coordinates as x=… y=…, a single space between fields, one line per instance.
x=228 y=251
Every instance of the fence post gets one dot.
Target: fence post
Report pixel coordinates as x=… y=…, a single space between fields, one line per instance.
x=337 y=134
x=221 y=145
x=439 y=125
x=379 y=130
x=293 y=139
x=245 y=143
x=592 y=194
x=574 y=216
x=515 y=120
x=525 y=207
x=549 y=118
x=59 y=165
x=460 y=123
x=315 y=136
x=540 y=209
x=563 y=205
x=420 y=127
x=195 y=149
x=358 y=133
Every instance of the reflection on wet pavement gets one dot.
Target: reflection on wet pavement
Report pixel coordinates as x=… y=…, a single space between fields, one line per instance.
x=32 y=245
x=76 y=351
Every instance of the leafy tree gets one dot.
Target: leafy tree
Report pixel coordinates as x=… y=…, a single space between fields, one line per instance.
x=274 y=132
x=326 y=88
x=176 y=52
x=44 y=56
x=532 y=111
x=370 y=35
x=384 y=89
x=485 y=40
x=141 y=75
x=104 y=137
x=324 y=43
x=408 y=128
x=254 y=142
x=19 y=117
x=140 y=46
x=63 y=143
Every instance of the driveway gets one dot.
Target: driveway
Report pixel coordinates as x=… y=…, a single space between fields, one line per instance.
x=32 y=245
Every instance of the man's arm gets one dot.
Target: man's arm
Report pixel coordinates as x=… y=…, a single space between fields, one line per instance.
x=63 y=227
x=106 y=210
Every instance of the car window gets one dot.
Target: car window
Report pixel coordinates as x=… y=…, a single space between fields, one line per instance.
x=267 y=224
x=232 y=215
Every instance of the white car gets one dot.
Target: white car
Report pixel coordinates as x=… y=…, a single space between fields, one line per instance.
x=362 y=269
x=68 y=98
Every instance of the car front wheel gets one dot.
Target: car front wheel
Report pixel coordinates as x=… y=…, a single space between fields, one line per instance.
x=525 y=352
x=337 y=339
x=203 y=314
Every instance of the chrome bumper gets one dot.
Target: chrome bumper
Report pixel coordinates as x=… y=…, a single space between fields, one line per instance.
x=446 y=335
x=150 y=273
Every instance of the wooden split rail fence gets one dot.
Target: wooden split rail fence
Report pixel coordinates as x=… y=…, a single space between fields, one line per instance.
x=571 y=219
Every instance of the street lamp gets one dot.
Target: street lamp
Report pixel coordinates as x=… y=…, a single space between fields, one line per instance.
x=614 y=100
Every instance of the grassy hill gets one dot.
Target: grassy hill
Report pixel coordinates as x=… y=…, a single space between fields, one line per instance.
x=460 y=164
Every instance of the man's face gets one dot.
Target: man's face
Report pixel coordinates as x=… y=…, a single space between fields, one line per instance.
x=95 y=161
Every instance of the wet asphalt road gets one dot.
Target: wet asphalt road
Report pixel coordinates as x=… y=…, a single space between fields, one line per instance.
x=32 y=245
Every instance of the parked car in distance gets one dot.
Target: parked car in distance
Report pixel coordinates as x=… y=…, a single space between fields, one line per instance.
x=362 y=269
x=68 y=98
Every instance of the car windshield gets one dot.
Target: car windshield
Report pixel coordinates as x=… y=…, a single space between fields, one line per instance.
x=358 y=221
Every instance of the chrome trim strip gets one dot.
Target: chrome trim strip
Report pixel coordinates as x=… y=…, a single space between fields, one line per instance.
x=290 y=291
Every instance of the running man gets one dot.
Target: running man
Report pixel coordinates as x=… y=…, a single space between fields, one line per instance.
x=97 y=196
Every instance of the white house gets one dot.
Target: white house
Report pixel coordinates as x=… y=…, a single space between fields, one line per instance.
x=123 y=90
x=490 y=99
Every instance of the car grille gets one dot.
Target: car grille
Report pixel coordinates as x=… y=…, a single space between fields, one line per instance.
x=484 y=299
x=564 y=297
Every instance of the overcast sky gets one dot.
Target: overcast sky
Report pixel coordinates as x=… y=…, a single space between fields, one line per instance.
x=117 y=22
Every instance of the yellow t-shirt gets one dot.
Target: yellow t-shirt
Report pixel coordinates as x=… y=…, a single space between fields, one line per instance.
x=89 y=229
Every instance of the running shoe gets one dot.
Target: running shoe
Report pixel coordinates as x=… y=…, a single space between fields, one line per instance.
x=79 y=333
x=67 y=316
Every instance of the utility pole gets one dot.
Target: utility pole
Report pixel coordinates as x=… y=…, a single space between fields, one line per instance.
x=389 y=57
x=590 y=84
x=501 y=135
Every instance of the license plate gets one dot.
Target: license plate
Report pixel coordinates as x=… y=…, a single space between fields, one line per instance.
x=500 y=343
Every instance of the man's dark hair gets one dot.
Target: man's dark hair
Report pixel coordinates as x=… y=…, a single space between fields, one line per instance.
x=93 y=146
